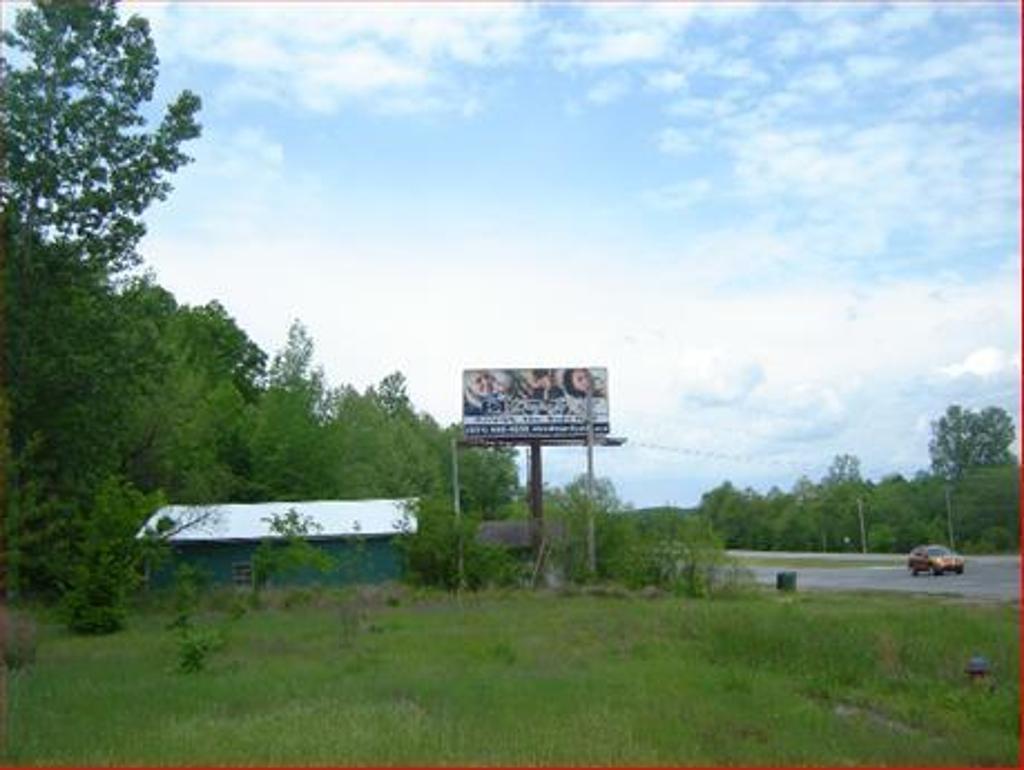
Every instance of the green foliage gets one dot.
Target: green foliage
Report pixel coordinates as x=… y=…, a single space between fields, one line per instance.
x=680 y=553
x=899 y=513
x=963 y=439
x=488 y=480
x=107 y=558
x=431 y=555
x=79 y=168
x=195 y=645
x=290 y=550
x=188 y=583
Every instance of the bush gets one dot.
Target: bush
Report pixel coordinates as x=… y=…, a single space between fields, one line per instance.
x=106 y=566
x=195 y=645
x=291 y=551
x=431 y=555
x=676 y=552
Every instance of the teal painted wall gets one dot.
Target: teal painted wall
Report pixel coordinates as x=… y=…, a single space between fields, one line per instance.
x=367 y=560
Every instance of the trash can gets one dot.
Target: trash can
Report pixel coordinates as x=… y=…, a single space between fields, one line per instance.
x=785 y=581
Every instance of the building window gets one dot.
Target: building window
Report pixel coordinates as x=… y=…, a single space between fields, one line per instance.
x=241 y=573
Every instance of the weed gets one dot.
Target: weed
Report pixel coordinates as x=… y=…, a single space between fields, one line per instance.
x=503 y=653
x=297 y=597
x=195 y=645
x=350 y=619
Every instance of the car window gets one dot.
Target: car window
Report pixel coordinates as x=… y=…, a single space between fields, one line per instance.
x=937 y=551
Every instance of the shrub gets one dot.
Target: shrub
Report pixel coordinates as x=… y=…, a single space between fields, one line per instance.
x=431 y=555
x=671 y=551
x=195 y=645
x=291 y=551
x=106 y=565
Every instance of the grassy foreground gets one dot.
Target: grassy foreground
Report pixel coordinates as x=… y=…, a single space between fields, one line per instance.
x=525 y=679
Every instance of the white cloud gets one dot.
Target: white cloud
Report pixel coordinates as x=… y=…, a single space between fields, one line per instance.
x=792 y=43
x=991 y=62
x=714 y=377
x=869 y=66
x=904 y=17
x=608 y=90
x=323 y=55
x=985 y=362
x=603 y=35
x=679 y=196
x=667 y=81
x=841 y=35
x=823 y=79
x=674 y=141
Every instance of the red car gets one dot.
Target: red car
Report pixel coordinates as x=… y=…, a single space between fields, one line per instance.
x=936 y=559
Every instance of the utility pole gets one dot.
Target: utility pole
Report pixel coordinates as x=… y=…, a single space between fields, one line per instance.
x=591 y=540
x=863 y=538
x=458 y=511
x=949 y=518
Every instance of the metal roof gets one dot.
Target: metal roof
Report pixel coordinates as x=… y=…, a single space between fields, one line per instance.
x=250 y=521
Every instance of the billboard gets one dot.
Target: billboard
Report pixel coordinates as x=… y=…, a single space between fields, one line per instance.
x=513 y=403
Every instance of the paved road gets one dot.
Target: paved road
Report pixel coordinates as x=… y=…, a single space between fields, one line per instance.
x=985 y=577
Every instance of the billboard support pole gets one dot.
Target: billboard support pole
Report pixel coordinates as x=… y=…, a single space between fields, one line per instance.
x=536 y=492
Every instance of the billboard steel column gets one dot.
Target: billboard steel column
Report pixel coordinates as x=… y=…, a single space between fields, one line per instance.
x=536 y=492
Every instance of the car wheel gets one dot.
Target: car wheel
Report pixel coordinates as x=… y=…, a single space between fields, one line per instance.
x=960 y=571
x=937 y=571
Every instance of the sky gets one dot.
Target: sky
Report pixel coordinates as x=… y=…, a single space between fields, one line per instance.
x=788 y=231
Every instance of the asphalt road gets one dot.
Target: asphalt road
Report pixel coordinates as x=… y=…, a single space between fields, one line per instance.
x=985 y=577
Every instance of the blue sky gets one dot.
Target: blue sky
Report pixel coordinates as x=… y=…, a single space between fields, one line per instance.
x=789 y=231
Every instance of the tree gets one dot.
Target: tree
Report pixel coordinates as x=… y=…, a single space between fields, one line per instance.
x=393 y=397
x=488 y=479
x=963 y=439
x=842 y=492
x=80 y=170
x=108 y=558
x=293 y=454
x=288 y=550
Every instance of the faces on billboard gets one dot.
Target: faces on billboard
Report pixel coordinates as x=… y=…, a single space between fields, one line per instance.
x=485 y=392
x=527 y=402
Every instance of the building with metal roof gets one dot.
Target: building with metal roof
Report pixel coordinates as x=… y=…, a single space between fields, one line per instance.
x=358 y=536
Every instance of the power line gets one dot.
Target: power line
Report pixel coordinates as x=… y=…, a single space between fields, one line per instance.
x=710 y=454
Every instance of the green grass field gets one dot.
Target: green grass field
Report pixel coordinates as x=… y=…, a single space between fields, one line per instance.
x=535 y=679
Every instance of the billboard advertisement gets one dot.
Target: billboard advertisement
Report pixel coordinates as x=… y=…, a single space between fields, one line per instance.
x=514 y=403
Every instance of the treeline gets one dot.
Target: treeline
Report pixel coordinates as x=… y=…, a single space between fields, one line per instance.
x=152 y=396
x=981 y=508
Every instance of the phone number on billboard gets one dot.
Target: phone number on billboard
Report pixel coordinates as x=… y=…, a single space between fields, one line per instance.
x=532 y=430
